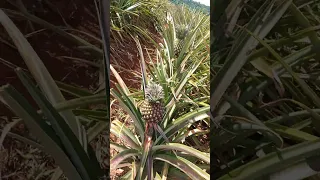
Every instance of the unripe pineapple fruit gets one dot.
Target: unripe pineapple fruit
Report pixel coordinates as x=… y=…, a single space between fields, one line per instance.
x=152 y=111
x=181 y=33
x=178 y=47
x=152 y=108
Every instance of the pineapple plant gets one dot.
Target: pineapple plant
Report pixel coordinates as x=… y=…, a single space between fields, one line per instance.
x=181 y=33
x=261 y=99
x=152 y=108
x=164 y=117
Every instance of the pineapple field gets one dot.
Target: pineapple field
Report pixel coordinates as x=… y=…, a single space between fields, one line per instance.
x=265 y=90
x=231 y=96
x=54 y=119
x=164 y=128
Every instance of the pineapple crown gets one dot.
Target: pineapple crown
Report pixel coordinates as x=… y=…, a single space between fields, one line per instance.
x=154 y=92
x=182 y=31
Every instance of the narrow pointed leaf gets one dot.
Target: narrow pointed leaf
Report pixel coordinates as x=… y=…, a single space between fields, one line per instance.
x=183 y=148
x=192 y=170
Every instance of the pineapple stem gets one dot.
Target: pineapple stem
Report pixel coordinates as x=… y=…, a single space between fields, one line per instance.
x=150 y=166
x=147 y=146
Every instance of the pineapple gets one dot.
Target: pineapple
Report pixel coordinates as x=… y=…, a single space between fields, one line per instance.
x=178 y=47
x=181 y=32
x=152 y=108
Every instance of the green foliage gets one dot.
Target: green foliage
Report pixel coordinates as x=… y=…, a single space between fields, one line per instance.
x=57 y=125
x=130 y=18
x=186 y=100
x=184 y=77
x=264 y=100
